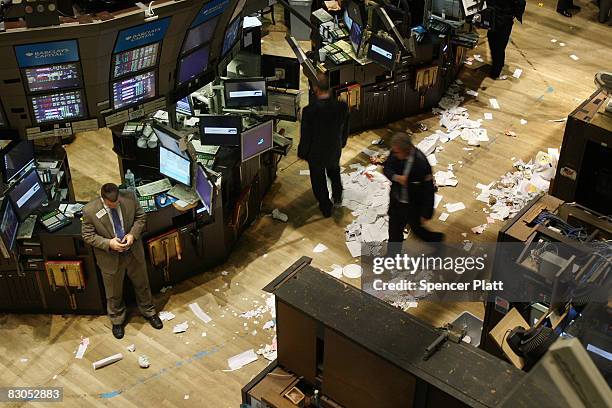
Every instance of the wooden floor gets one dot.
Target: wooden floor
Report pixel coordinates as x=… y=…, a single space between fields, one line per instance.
x=38 y=350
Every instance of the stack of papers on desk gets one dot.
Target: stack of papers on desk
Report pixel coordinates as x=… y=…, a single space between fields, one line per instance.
x=183 y=193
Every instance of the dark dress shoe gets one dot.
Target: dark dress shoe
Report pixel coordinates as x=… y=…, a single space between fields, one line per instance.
x=156 y=322
x=118 y=331
x=564 y=13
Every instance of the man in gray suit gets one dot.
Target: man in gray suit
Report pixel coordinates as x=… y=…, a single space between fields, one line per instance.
x=112 y=225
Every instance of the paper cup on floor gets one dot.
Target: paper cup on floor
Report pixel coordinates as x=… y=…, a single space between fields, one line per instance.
x=352 y=271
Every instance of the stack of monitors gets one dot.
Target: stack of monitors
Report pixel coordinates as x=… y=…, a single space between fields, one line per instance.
x=135 y=61
x=195 y=52
x=53 y=79
x=257 y=140
x=245 y=92
x=232 y=34
x=17 y=158
x=173 y=162
x=220 y=130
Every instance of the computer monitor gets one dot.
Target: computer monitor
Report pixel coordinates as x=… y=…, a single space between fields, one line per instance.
x=447 y=9
x=257 y=140
x=356 y=12
x=19 y=155
x=231 y=35
x=192 y=65
x=58 y=107
x=348 y=21
x=382 y=50
x=133 y=90
x=199 y=35
x=174 y=166
x=286 y=69
x=245 y=92
x=137 y=59
x=53 y=77
x=220 y=130
x=204 y=188
x=169 y=139
x=356 y=35
x=183 y=106
x=9 y=224
x=28 y=195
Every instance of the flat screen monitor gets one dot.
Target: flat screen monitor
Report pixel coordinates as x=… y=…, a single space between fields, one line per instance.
x=257 y=140
x=356 y=34
x=168 y=140
x=192 y=65
x=53 y=77
x=231 y=35
x=9 y=224
x=286 y=69
x=17 y=158
x=348 y=21
x=136 y=89
x=220 y=130
x=245 y=92
x=199 y=35
x=57 y=107
x=447 y=9
x=204 y=189
x=183 y=106
x=174 y=166
x=28 y=195
x=138 y=59
x=382 y=50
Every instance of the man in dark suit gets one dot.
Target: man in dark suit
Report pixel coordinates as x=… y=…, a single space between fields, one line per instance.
x=412 y=193
x=113 y=225
x=324 y=132
x=505 y=11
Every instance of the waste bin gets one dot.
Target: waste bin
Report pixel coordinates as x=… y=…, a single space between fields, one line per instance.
x=299 y=30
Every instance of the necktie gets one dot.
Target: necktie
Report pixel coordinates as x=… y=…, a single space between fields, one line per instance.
x=117 y=224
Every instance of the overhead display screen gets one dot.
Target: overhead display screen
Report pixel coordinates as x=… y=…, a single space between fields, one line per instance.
x=141 y=35
x=57 y=52
x=53 y=77
x=199 y=35
x=133 y=90
x=193 y=65
x=131 y=61
x=63 y=106
x=231 y=35
x=245 y=92
x=210 y=10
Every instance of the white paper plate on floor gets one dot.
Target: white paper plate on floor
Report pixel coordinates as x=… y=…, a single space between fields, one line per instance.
x=352 y=271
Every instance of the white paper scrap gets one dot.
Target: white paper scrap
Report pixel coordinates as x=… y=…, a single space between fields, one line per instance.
x=443 y=216
x=242 y=359
x=304 y=172
x=523 y=122
x=494 y=103
x=437 y=200
x=488 y=116
x=354 y=248
x=166 y=316
x=319 y=248
x=82 y=348
x=200 y=314
x=574 y=57
x=454 y=207
x=471 y=92
x=517 y=73
x=180 y=328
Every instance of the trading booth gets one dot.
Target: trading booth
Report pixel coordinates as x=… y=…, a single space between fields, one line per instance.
x=194 y=110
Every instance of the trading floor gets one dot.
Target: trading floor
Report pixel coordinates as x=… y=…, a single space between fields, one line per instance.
x=190 y=369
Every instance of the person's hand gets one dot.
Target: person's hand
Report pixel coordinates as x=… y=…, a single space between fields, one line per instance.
x=403 y=180
x=129 y=240
x=116 y=245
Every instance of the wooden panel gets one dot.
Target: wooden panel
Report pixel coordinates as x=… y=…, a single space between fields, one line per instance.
x=297 y=339
x=356 y=378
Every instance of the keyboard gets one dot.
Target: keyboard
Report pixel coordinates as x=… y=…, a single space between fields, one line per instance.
x=206 y=160
x=438 y=26
x=154 y=188
x=26 y=228
x=54 y=221
x=147 y=203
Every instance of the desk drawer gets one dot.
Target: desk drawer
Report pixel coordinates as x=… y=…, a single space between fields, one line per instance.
x=33 y=264
x=30 y=250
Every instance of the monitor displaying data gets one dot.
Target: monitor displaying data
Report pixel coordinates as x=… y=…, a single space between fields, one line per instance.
x=199 y=35
x=220 y=130
x=131 y=61
x=204 y=189
x=184 y=107
x=174 y=166
x=382 y=50
x=356 y=36
x=257 y=140
x=192 y=65
x=136 y=89
x=245 y=92
x=18 y=157
x=58 y=107
x=231 y=35
x=9 y=224
x=167 y=140
x=53 y=77
x=28 y=195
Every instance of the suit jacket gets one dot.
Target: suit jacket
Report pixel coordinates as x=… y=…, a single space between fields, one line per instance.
x=324 y=131
x=98 y=231
x=421 y=189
